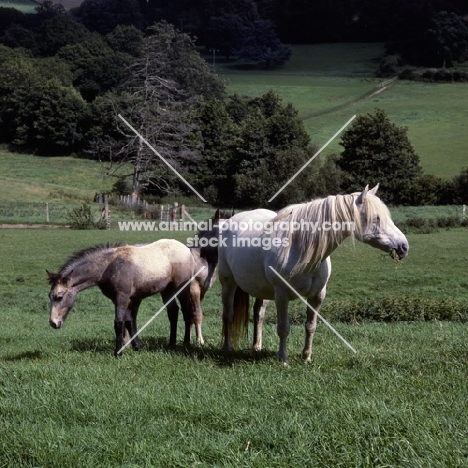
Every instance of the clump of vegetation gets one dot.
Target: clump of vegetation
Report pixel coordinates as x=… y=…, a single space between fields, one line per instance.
x=83 y=218
x=396 y=309
x=417 y=225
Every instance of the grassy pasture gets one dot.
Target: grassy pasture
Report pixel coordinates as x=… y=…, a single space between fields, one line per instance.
x=66 y=402
x=329 y=83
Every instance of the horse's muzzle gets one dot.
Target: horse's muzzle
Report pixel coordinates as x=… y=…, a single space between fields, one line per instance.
x=55 y=325
x=402 y=250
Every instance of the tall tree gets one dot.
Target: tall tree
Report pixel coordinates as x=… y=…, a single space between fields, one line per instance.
x=261 y=44
x=449 y=38
x=183 y=63
x=38 y=111
x=158 y=108
x=378 y=151
x=260 y=144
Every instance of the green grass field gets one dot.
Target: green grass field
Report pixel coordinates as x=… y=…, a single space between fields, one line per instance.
x=65 y=401
x=327 y=83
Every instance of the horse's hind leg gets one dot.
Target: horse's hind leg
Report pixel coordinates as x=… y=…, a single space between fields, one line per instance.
x=311 y=323
x=228 y=292
x=283 y=327
x=130 y=323
x=172 y=313
x=259 y=315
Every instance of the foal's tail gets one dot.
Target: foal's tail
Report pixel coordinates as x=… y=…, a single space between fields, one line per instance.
x=240 y=319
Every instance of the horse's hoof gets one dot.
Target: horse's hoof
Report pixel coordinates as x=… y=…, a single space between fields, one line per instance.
x=283 y=358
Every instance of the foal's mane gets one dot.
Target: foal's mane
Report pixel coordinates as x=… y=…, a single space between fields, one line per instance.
x=313 y=247
x=83 y=255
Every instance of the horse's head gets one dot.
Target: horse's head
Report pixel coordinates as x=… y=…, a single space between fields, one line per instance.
x=220 y=217
x=62 y=297
x=209 y=237
x=377 y=227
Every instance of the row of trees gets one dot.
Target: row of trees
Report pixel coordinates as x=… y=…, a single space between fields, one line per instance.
x=430 y=33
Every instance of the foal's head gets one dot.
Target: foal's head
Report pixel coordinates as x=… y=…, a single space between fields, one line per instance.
x=62 y=297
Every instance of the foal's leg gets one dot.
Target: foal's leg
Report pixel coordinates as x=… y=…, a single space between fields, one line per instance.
x=259 y=315
x=130 y=323
x=172 y=314
x=311 y=323
x=122 y=304
x=187 y=312
x=196 y=311
x=283 y=327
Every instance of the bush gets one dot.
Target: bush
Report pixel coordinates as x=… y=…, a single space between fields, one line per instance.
x=82 y=218
x=418 y=225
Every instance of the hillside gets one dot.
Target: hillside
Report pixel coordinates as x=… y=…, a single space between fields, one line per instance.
x=28 y=6
x=329 y=83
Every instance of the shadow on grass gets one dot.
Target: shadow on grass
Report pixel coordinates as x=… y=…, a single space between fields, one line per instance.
x=221 y=357
x=26 y=355
x=160 y=344
x=92 y=345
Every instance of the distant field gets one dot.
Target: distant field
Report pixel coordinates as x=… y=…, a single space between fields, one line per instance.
x=326 y=84
x=29 y=6
x=26 y=6
x=35 y=178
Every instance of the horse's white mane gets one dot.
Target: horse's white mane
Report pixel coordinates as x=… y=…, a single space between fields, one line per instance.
x=313 y=247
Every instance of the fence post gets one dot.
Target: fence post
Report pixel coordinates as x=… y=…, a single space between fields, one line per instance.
x=173 y=215
x=464 y=212
x=106 y=212
x=182 y=216
x=47 y=212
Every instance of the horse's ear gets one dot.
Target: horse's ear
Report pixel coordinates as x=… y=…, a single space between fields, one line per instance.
x=232 y=212
x=374 y=190
x=52 y=276
x=216 y=216
x=360 y=199
x=66 y=279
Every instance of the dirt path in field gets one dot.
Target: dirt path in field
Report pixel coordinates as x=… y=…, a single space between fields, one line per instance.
x=33 y=226
x=381 y=87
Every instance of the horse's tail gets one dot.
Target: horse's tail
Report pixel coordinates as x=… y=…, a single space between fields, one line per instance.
x=240 y=319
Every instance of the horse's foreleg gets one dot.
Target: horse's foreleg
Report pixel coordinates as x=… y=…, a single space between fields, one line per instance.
x=283 y=327
x=172 y=313
x=259 y=315
x=311 y=323
x=130 y=323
